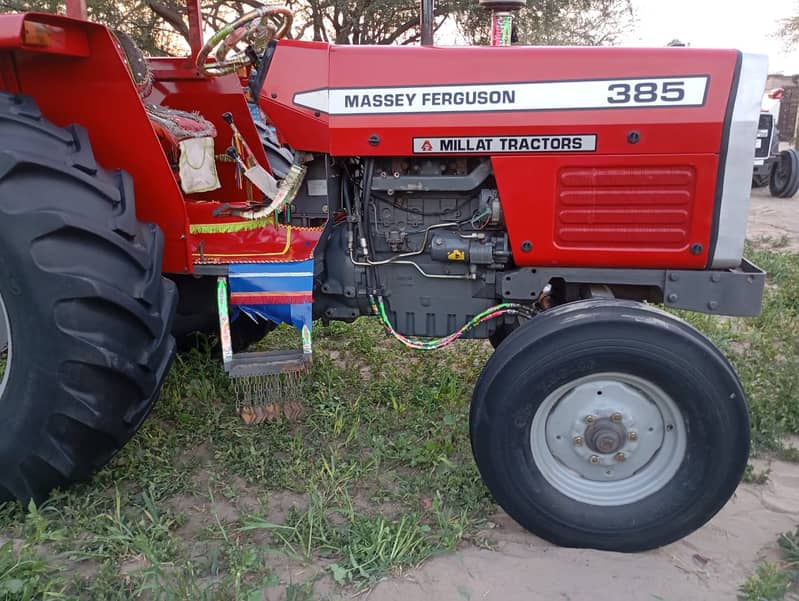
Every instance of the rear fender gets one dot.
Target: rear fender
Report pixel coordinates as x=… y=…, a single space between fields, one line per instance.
x=74 y=72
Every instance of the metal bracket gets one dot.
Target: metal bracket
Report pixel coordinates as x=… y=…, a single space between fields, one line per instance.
x=737 y=291
x=267 y=363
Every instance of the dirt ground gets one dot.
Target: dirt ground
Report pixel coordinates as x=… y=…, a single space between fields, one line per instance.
x=708 y=565
x=777 y=218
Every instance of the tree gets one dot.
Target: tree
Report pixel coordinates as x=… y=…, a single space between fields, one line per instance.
x=366 y=21
x=789 y=31
x=552 y=22
x=160 y=26
x=137 y=18
x=557 y=22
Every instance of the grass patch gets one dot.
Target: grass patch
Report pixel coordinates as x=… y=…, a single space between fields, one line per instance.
x=769 y=583
x=752 y=476
x=773 y=580
x=790 y=547
x=790 y=453
x=378 y=477
x=25 y=575
x=765 y=350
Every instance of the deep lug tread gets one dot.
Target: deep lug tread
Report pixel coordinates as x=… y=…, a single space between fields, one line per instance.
x=83 y=157
x=99 y=346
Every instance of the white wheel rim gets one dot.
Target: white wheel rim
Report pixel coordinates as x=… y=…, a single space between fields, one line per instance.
x=608 y=439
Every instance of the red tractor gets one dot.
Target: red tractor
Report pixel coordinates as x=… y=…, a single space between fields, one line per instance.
x=542 y=198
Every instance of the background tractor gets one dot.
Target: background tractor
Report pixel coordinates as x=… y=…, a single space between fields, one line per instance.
x=779 y=170
x=543 y=198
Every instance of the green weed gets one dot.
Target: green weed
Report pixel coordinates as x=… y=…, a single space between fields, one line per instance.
x=26 y=576
x=769 y=583
x=754 y=477
x=790 y=547
x=143 y=531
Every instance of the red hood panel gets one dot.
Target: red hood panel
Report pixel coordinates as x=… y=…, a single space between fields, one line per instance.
x=374 y=100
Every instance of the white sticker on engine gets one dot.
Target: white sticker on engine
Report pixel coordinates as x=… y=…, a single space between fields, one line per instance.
x=644 y=92
x=500 y=144
x=317 y=187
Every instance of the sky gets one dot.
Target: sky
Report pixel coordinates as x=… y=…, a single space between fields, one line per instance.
x=717 y=24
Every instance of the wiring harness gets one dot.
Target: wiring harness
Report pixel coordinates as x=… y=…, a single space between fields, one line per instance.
x=379 y=309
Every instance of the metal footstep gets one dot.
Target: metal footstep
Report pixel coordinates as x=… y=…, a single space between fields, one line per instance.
x=268 y=384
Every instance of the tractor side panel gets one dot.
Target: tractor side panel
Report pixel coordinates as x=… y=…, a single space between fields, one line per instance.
x=620 y=211
x=85 y=82
x=297 y=66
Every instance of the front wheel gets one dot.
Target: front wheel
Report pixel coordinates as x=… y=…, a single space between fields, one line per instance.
x=610 y=425
x=784 y=178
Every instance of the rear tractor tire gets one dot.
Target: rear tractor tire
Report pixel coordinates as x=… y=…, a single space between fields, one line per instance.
x=197 y=318
x=84 y=312
x=610 y=425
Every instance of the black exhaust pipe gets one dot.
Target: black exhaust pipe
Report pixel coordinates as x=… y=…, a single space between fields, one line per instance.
x=427 y=22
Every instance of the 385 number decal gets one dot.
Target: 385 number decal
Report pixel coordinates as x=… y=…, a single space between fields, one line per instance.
x=646 y=92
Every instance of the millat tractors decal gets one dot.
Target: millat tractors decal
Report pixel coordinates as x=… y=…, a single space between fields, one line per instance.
x=502 y=144
x=532 y=96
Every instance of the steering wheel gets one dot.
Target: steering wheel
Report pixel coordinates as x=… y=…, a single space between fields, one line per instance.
x=253 y=24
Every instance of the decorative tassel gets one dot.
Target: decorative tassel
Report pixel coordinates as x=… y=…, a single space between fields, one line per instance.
x=270 y=398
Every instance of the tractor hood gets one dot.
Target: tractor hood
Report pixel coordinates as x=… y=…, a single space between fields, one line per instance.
x=673 y=128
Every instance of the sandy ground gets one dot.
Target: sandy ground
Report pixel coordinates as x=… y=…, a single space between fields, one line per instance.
x=708 y=565
x=774 y=217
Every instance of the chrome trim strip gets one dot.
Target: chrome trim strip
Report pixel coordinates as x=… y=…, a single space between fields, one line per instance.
x=740 y=151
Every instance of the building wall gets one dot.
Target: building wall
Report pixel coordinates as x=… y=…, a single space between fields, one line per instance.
x=789 y=108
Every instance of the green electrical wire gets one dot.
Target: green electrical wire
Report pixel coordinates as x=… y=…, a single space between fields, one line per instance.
x=379 y=308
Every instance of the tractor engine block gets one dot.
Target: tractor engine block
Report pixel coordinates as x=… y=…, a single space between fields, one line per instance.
x=435 y=238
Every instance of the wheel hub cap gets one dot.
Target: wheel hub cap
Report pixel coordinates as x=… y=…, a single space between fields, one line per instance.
x=604 y=436
x=608 y=439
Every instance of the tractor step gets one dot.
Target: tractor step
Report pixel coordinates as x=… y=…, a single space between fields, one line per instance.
x=267 y=363
x=267 y=384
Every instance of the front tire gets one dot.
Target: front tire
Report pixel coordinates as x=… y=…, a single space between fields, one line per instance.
x=82 y=301
x=609 y=425
x=784 y=178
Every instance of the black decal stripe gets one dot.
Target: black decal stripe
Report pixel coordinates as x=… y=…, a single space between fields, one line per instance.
x=725 y=140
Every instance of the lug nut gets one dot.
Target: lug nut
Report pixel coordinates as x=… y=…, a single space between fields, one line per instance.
x=620 y=457
x=632 y=435
x=616 y=417
x=590 y=419
x=578 y=441
x=594 y=459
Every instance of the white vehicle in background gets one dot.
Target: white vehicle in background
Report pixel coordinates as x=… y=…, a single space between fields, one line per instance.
x=778 y=170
